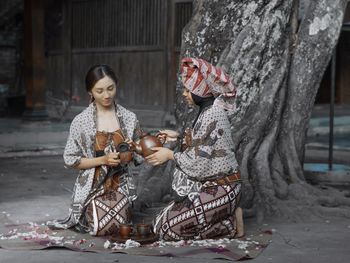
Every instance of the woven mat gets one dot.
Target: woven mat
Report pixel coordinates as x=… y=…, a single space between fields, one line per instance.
x=31 y=236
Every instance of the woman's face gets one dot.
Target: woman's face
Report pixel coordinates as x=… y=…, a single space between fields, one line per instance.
x=104 y=92
x=188 y=97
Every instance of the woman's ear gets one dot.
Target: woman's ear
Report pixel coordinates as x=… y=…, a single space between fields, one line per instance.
x=91 y=97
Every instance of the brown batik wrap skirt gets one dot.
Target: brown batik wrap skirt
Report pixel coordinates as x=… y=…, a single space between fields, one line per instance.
x=108 y=207
x=106 y=212
x=209 y=215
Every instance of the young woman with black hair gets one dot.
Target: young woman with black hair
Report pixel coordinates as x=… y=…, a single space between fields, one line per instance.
x=104 y=188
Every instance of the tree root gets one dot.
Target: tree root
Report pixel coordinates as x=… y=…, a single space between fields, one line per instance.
x=306 y=202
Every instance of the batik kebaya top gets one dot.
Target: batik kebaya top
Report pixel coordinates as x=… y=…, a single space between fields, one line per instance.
x=209 y=156
x=80 y=144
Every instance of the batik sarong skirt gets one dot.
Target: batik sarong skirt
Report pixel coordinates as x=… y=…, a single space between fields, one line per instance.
x=106 y=212
x=210 y=214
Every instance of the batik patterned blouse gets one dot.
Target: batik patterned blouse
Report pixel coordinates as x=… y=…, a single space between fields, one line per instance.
x=209 y=156
x=80 y=144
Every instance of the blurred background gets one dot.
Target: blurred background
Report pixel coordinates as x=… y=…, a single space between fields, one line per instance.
x=46 y=47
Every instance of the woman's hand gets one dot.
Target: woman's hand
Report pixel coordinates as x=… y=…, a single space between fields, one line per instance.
x=111 y=159
x=160 y=156
x=130 y=142
x=170 y=135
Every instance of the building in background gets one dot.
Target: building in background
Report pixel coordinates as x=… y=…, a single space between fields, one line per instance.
x=140 y=39
x=12 y=93
x=342 y=80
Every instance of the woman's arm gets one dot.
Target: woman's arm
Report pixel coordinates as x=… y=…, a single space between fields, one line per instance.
x=211 y=150
x=111 y=159
x=170 y=135
x=161 y=155
x=74 y=152
x=75 y=155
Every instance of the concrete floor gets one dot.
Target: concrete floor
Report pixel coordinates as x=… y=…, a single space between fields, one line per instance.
x=37 y=188
x=34 y=186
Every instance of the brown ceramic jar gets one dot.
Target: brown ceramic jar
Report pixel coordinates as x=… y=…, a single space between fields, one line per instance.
x=147 y=142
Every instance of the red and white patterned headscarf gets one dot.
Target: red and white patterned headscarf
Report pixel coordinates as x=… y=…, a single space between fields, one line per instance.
x=205 y=80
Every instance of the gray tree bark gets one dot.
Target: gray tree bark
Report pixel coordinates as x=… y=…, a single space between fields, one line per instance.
x=276 y=61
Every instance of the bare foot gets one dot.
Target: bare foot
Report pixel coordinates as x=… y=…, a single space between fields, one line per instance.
x=239 y=222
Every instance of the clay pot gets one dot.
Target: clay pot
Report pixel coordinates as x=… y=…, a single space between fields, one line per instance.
x=143 y=230
x=125 y=153
x=125 y=230
x=147 y=142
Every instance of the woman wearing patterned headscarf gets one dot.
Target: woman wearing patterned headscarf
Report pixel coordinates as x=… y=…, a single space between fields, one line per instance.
x=206 y=177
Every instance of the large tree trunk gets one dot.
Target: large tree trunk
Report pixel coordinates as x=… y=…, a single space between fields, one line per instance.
x=277 y=63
